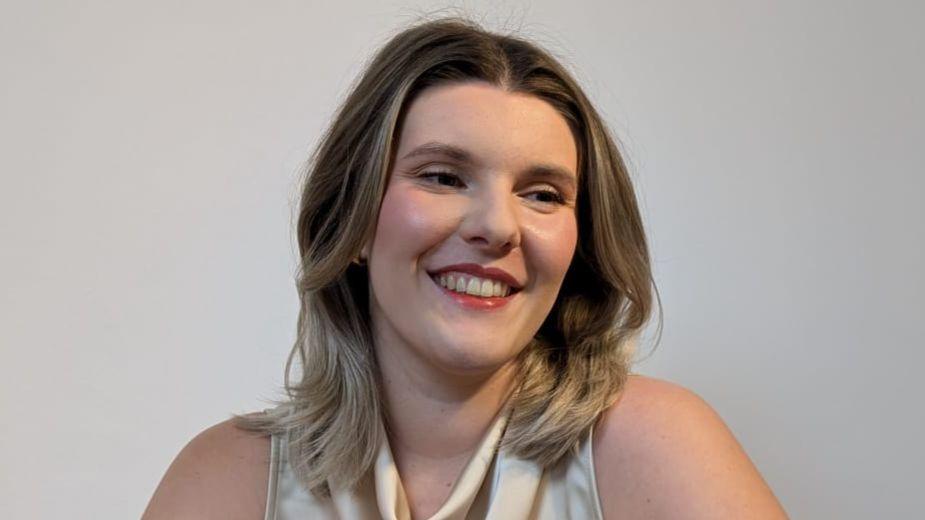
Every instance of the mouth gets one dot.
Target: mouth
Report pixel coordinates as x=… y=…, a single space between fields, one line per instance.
x=475 y=293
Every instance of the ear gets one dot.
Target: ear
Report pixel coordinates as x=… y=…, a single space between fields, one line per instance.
x=362 y=257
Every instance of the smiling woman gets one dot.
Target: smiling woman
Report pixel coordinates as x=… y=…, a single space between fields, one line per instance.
x=474 y=273
x=490 y=215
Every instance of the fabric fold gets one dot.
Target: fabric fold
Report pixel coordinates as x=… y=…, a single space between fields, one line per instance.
x=390 y=494
x=494 y=484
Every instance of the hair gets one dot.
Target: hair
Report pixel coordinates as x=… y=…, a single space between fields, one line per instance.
x=579 y=359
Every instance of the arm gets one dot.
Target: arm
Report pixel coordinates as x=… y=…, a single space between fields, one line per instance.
x=663 y=452
x=222 y=474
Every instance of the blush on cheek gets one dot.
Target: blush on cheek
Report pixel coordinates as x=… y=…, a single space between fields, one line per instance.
x=568 y=245
x=554 y=241
x=413 y=220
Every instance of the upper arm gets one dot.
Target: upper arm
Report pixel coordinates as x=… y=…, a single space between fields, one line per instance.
x=221 y=473
x=662 y=452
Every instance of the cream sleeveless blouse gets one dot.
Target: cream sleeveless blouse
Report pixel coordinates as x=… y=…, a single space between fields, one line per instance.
x=493 y=485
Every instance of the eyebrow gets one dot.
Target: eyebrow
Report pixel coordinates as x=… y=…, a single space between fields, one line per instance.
x=463 y=156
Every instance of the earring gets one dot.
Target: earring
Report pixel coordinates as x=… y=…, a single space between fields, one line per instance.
x=360 y=260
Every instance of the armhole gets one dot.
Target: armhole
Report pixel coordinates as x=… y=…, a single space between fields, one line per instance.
x=598 y=508
x=270 y=513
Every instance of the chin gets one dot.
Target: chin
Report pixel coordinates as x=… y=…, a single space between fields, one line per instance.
x=472 y=360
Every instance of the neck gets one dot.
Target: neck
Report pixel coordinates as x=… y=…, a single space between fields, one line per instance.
x=434 y=416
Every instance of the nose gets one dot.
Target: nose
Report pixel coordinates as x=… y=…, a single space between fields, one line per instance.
x=492 y=223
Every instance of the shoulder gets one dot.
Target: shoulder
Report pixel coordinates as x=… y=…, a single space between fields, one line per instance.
x=662 y=452
x=221 y=473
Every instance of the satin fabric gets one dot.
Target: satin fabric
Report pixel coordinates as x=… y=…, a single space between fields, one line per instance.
x=494 y=485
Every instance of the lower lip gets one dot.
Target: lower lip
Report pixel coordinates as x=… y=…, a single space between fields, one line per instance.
x=475 y=302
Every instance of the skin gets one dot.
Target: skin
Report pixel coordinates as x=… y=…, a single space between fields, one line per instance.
x=662 y=452
x=659 y=452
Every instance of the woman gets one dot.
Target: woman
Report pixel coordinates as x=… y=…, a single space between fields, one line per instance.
x=474 y=273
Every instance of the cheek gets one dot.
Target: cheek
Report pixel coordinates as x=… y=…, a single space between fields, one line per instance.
x=554 y=244
x=410 y=221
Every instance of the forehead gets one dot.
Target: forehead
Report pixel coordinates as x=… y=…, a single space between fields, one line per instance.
x=500 y=128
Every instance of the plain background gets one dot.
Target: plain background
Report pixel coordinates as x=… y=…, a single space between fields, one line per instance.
x=149 y=166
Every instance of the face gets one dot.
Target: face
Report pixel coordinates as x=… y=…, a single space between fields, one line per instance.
x=481 y=176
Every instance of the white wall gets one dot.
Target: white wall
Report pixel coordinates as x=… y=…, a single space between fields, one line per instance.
x=148 y=175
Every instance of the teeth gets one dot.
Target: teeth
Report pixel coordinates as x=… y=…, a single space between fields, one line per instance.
x=475 y=286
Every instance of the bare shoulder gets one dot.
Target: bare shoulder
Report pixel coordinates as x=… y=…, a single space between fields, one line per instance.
x=662 y=452
x=221 y=473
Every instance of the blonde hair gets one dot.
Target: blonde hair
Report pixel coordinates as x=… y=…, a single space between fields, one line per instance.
x=578 y=360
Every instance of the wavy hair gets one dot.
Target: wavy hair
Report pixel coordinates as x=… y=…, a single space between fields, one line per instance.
x=579 y=359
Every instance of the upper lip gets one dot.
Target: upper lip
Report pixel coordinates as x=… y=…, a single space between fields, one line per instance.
x=494 y=273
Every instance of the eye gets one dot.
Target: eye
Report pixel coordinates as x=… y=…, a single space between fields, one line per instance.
x=444 y=176
x=550 y=196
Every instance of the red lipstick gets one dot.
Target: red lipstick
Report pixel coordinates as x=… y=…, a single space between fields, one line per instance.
x=475 y=302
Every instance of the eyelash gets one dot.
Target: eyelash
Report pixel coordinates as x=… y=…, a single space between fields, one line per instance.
x=557 y=197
